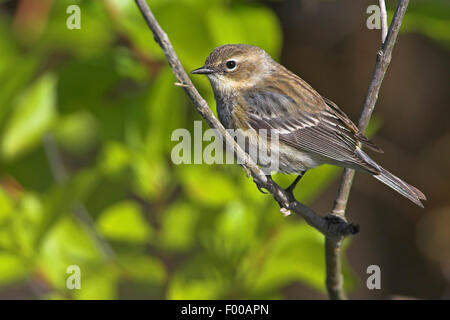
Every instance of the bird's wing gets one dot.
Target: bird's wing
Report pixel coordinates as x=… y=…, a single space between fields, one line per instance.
x=304 y=120
x=358 y=134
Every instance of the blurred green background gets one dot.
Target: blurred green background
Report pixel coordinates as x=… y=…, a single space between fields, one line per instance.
x=86 y=179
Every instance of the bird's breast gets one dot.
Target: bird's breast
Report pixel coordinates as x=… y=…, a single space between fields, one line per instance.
x=226 y=106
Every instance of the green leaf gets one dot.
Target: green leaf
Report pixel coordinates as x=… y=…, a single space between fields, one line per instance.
x=114 y=158
x=124 y=221
x=6 y=205
x=17 y=72
x=207 y=186
x=94 y=37
x=16 y=67
x=178 y=227
x=233 y=234
x=250 y=25
x=98 y=285
x=142 y=268
x=63 y=198
x=150 y=175
x=67 y=244
x=20 y=228
x=262 y=28
x=181 y=22
x=295 y=254
x=429 y=18
x=163 y=97
x=128 y=66
x=33 y=115
x=12 y=268
x=196 y=280
x=131 y=23
x=77 y=133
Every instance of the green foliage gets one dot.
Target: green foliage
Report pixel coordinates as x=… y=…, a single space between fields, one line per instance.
x=429 y=18
x=107 y=97
x=32 y=115
x=124 y=222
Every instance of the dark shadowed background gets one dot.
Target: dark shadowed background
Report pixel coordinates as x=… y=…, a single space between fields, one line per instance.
x=86 y=177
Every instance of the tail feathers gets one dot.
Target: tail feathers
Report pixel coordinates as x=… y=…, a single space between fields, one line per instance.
x=405 y=189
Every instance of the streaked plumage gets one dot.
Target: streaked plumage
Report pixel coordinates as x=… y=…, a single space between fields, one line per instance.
x=254 y=92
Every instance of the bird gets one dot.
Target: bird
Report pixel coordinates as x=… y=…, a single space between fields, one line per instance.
x=253 y=92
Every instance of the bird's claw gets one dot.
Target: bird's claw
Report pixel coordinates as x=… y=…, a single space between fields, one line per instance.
x=260 y=187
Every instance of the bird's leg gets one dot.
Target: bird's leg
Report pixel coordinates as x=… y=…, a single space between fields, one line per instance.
x=290 y=189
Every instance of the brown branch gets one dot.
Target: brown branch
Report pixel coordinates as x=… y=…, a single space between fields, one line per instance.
x=333 y=244
x=330 y=227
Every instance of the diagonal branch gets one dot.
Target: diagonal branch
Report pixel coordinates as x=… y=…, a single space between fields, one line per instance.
x=333 y=244
x=334 y=228
x=331 y=227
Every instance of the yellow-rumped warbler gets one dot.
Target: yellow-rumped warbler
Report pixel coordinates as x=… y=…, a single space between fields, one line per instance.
x=254 y=92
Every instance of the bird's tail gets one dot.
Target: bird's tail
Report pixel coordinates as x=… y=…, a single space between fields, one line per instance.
x=405 y=189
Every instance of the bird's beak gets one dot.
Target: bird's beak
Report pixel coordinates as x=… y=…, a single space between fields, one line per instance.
x=202 y=70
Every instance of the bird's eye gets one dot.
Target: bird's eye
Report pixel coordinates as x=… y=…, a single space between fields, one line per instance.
x=231 y=64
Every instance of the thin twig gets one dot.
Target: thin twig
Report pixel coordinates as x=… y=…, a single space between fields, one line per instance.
x=333 y=244
x=331 y=227
x=383 y=18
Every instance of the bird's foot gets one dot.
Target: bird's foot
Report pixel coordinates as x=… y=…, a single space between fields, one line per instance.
x=290 y=190
x=290 y=194
x=261 y=187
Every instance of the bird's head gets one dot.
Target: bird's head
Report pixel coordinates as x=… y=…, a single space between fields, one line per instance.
x=236 y=67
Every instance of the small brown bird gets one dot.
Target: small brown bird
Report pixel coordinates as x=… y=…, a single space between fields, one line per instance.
x=254 y=92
